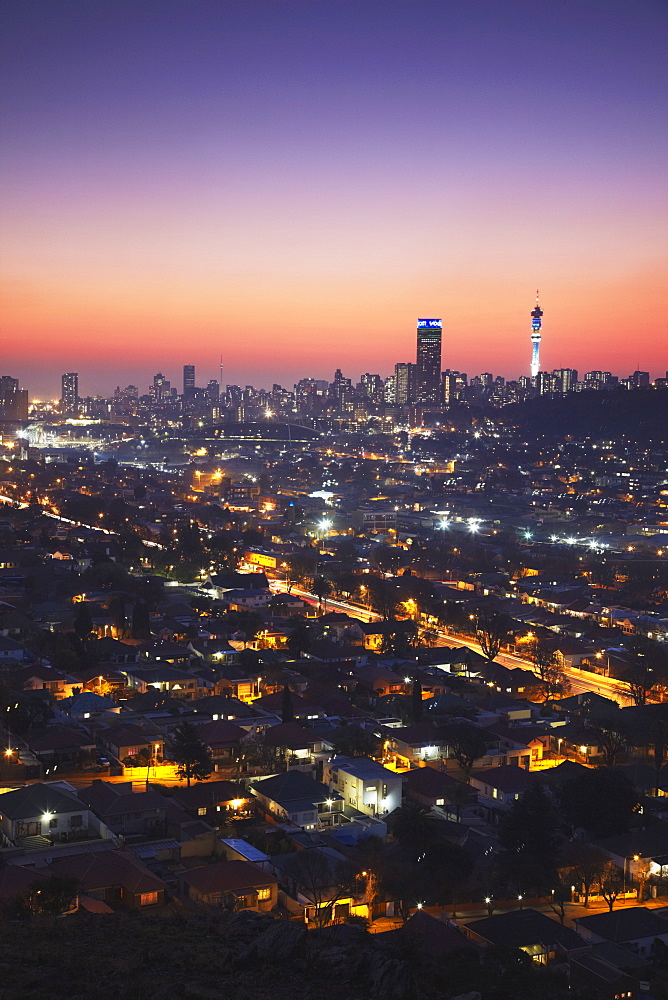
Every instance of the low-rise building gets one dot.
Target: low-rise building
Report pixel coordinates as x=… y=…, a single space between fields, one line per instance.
x=364 y=784
x=236 y=885
x=295 y=798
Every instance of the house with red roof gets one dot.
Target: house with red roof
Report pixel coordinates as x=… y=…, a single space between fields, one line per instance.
x=237 y=885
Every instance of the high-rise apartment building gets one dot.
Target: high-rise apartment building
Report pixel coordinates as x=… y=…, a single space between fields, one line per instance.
x=566 y=379
x=188 y=381
x=428 y=364
x=405 y=374
x=372 y=386
x=13 y=401
x=454 y=384
x=161 y=388
x=69 y=397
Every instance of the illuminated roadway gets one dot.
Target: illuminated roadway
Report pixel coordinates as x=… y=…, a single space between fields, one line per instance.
x=580 y=681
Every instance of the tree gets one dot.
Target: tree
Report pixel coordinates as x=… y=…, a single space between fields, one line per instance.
x=559 y=896
x=416 y=700
x=583 y=866
x=141 y=627
x=287 y=711
x=323 y=879
x=256 y=753
x=655 y=734
x=383 y=596
x=247 y=623
x=648 y=669
x=611 y=883
x=611 y=736
x=492 y=631
x=417 y=829
x=541 y=653
x=116 y=610
x=192 y=756
x=299 y=637
x=530 y=840
x=83 y=623
x=352 y=741
x=600 y=801
x=53 y=895
x=467 y=743
x=321 y=587
x=387 y=558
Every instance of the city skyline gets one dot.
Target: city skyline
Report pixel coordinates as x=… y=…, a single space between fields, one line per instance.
x=292 y=185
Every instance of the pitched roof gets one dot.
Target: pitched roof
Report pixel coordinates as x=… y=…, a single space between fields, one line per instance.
x=208 y=793
x=519 y=928
x=108 y=799
x=34 y=800
x=507 y=778
x=96 y=871
x=220 y=734
x=293 y=786
x=289 y=735
x=228 y=876
x=626 y=925
x=431 y=783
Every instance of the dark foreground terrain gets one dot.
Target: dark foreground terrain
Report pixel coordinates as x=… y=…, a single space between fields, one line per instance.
x=247 y=957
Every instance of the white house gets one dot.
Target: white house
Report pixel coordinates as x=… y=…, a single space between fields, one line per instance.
x=364 y=784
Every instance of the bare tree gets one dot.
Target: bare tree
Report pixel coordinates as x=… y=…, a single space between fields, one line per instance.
x=611 y=736
x=492 y=631
x=583 y=867
x=611 y=884
x=324 y=879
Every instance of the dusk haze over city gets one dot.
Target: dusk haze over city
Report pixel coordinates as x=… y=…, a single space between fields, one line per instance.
x=333 y=500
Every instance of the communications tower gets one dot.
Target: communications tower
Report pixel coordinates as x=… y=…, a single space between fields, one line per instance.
x=536 y=314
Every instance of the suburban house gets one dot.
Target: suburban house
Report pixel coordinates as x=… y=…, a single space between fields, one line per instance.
x=215 y=801
x=320 y=884
x=545 y=940
x=412 y=745
x=429 y=787
x=163 y=677
x=499 y=787
x=364 y=784
x=59 y=744
x=129 y=740
x=638 y=929
x=237 y=885
x=116 y=877
x=223 y=739
x=124 y=812
x=49 y=811
x=296 y=798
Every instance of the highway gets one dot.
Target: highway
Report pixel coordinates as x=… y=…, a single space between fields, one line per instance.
x=580 y=681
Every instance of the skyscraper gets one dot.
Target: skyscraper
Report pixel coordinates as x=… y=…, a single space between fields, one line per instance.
x=404 y=382
x=428 y=367
x=536 y=315
x=188 y=380
x=69 y=398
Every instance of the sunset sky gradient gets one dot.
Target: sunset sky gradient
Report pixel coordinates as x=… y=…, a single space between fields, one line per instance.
x=293 y=183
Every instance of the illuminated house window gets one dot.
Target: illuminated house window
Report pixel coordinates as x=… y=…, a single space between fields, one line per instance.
x=264 y=893
x=201 y=811
x=148 y=898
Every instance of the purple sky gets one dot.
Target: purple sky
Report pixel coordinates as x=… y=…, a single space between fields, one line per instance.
x=293 y=184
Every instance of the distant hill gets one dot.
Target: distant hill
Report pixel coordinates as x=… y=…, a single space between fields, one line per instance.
x=641 y=415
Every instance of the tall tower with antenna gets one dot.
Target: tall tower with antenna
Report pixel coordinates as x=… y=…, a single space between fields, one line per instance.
x=536 y=318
